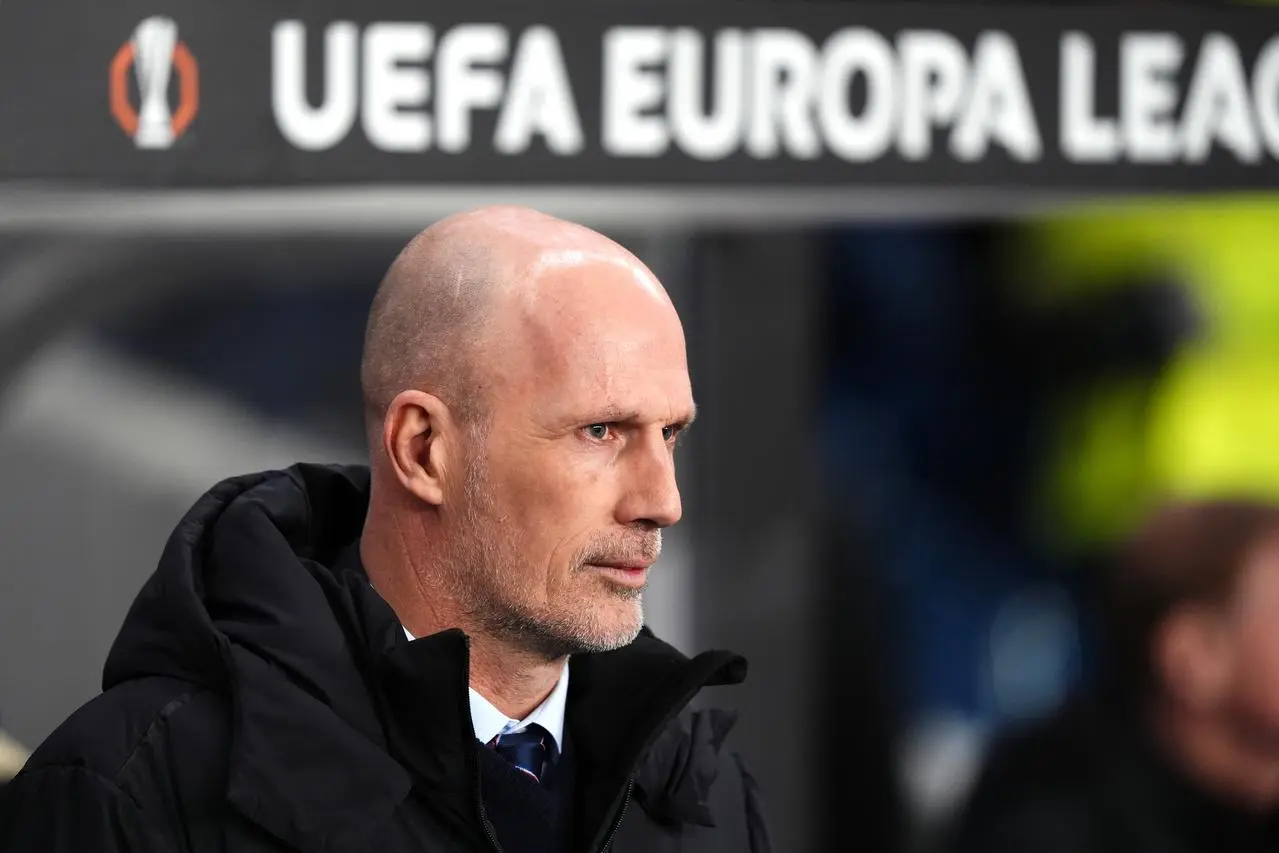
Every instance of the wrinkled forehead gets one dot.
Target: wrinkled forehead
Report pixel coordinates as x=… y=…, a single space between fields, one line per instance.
x=591 y=333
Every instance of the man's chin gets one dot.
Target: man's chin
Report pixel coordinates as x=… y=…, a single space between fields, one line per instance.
x=607 y=643
x=613 y=635
x=615 y=624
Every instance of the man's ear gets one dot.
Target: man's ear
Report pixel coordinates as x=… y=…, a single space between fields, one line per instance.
x=1193 y=657
x=417 y=436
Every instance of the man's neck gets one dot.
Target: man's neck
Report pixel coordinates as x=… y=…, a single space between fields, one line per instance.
x=392 y=567
x=1219 y=760
x=512 y=679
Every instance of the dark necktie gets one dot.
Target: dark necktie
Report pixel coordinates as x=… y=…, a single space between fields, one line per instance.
x=526 y=750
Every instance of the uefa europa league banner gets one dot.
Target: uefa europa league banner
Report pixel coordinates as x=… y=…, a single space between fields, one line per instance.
x=262 y=92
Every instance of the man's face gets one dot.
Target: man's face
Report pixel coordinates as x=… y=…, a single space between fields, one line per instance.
x=1255 y=645
x=572 y=477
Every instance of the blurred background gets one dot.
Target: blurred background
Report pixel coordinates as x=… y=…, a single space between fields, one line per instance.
x=922 y=433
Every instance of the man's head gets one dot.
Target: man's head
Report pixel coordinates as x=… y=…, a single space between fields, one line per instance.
x=525 y=381
x=1194 y=611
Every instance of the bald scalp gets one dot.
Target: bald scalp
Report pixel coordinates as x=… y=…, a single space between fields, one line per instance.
x=422 y=324
x=429 y=324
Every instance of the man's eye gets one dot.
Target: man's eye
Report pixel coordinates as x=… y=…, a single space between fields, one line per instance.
x=599 y=432
x=669 y=432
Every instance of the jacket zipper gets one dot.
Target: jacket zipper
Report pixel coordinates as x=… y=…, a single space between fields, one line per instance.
x=488 y=827
x=617 y=823
x=488 y=830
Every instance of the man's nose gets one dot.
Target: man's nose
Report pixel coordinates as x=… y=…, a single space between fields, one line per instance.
x=651 y=493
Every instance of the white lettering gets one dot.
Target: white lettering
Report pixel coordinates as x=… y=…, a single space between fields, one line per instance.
x=1147 y=95
x=846 y=54
x=1217 y=105
x=540 y=99
x=390 y=85
x=1085 y=138
x=934 y=67
x=462 y=85
x=1265 y=93
x=631 y=86
x=782 y=86
x=998 y=106
x=711 y=131
x=313 y=128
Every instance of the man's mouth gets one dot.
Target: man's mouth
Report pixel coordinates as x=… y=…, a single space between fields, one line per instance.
x=631 y=574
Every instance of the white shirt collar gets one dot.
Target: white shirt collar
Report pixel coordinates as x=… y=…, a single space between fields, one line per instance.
x=488 y=722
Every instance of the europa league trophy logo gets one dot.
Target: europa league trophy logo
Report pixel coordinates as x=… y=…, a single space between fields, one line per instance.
x=153 y=44
x=156 y=57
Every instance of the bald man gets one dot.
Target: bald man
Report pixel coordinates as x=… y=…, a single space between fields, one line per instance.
x=443 y=652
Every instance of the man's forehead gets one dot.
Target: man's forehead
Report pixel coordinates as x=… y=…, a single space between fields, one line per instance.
x=622 y=370
x=588 y=330
x=603 y=354
x=593 y=380
x=646 y=397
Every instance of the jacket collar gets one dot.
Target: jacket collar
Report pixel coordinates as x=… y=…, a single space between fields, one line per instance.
x=620 y=705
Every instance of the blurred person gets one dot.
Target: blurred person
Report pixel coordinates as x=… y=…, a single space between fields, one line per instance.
x=444 y=651
x=1179 y=751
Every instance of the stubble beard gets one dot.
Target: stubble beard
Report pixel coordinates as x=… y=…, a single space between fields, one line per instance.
x=485 y=579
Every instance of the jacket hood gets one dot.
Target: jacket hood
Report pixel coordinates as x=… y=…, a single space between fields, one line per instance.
x=249 y=601
x=243 y=603
x=243 y=568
